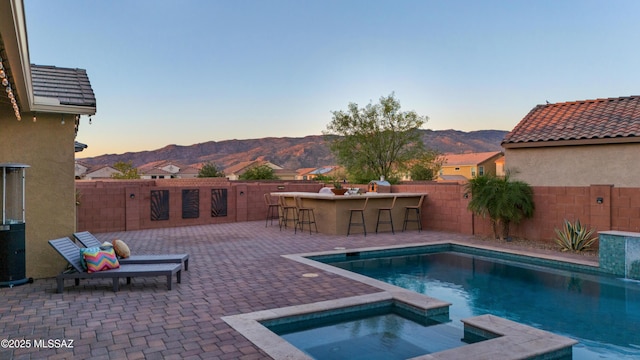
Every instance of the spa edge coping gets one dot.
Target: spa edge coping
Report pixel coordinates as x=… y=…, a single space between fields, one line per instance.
x=312 y=195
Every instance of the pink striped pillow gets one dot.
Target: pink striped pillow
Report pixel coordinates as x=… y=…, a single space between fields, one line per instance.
x=98 y=259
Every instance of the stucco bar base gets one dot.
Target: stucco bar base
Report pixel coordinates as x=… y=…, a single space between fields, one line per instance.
x=332 y=211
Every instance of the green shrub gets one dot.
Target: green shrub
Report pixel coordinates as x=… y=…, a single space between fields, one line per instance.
x=574 y=237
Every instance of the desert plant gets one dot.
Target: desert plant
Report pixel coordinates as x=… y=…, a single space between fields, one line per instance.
x=502 y=200
x=574 y=236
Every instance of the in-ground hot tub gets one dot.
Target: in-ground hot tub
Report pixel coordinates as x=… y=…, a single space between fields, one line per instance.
x=385 y=313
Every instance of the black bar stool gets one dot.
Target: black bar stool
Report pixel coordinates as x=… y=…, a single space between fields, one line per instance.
x=387 y=209
x=361 y=211
x=273 y=210
x=286 y=209
x=417 y=209
x=302 y=212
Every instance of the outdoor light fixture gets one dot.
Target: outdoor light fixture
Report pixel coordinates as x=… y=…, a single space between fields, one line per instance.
x=62 y=121
x=466 y=195
x=599 y=200
x=132 y=196
x=7 y=84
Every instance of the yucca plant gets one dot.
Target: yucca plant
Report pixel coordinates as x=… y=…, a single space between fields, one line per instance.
x=574 y=236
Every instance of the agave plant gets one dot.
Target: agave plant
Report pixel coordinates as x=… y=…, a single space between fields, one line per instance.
x=574 y=236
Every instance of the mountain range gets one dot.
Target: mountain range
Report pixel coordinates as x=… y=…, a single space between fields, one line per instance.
x=290 y=152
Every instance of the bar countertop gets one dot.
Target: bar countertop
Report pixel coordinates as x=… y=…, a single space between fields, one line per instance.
x=320 y=196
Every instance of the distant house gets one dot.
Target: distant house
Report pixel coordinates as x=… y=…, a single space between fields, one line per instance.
x=167 y=170
x=312 y=173
x=577 y=143
x=80 y=169
x=460 y=167
x=233 y=172
x=285 y=174
x=304 y=173
x=100 y=172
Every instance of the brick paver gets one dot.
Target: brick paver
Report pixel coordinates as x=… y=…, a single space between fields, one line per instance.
x=234 y=268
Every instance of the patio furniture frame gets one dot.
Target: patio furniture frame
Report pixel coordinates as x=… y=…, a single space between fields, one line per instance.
x=71 y=252
x=88 y=240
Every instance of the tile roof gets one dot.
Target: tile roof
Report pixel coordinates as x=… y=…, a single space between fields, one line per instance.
x=240 y=166
x=69 y=86
x=189 y=170
x=323 y=170
x=579 y=120
x=469 y=158
x=305 y=171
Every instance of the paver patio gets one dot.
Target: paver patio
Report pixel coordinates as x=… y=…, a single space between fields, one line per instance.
x=234 y=268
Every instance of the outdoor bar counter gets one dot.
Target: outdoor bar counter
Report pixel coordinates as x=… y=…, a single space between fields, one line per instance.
x=332 y=211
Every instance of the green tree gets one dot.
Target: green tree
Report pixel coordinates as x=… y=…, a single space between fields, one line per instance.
x=210 y=170
x=377 y=140
x=503 y=200
x=127 y=170
x=260 y=172
x=427 y=167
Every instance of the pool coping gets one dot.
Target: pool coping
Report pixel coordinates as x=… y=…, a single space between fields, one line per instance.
x=250 y=324
x=511 y=339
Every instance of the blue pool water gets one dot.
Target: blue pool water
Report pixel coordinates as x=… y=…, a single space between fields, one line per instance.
x=600 y=312
x=370 y=334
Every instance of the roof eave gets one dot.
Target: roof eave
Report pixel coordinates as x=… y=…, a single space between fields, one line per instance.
x=52 y=105
x=551 y=143
x=14 y=34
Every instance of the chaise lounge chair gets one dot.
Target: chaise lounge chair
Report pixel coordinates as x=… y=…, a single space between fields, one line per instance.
x=71 y=252
x=88 y=240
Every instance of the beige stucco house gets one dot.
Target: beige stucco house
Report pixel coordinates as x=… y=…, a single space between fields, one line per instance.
x=579 y=143
x=100 y=172
x=466 y=166
x=39 y=119
x=167 y=170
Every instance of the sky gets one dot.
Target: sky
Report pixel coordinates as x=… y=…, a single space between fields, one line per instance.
x=191 y=71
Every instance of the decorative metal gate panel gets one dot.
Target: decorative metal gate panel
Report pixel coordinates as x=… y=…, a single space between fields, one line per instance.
x=159 y=205
x=190 y=203
x=218 y=202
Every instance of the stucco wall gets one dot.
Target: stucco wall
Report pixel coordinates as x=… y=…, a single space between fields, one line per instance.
x=584 y=165
x=48 y=147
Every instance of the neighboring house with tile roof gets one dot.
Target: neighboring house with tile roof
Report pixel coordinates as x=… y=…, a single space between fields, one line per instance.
x=155 y=173
x=34 y=101
x=167 y=170
x=578 y=143
x=233 y=172
x=312 y=173
x=304 y=173
x=457 y=167
x=285 y=174
x=100 y=172
x=80 y=169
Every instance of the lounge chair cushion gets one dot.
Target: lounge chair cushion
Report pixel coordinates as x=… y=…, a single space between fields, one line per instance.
x=98 y=259
x=122 y=250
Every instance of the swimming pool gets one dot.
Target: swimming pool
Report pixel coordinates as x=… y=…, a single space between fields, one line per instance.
x=601 y=312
